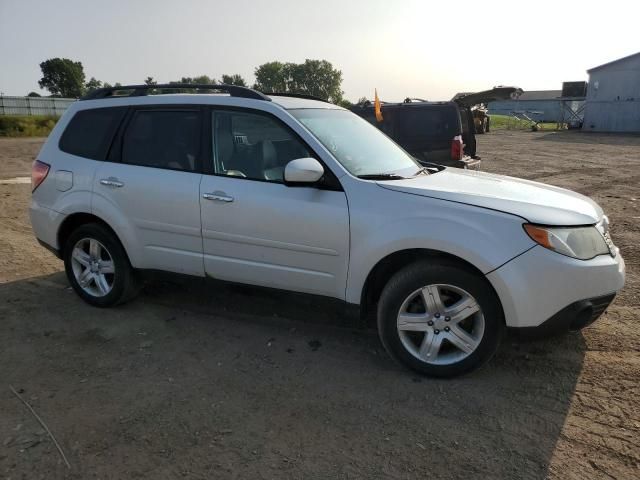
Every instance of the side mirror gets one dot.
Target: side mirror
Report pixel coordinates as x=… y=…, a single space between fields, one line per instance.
x=303 y=171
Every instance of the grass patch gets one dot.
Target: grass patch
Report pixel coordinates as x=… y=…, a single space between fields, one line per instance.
x=505 y=122
x=26 y=125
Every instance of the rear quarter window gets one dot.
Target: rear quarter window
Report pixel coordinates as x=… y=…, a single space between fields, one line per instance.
x=90 y=132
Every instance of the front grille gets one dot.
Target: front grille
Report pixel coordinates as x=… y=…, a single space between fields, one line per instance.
x=609 y=242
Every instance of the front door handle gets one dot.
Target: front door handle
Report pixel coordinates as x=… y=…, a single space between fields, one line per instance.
x=217 y=197
x=111 y=182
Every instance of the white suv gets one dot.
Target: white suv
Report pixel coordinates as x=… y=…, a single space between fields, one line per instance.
x=298 y=194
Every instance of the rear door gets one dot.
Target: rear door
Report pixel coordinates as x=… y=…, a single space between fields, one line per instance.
x=74 y=159
x=149 y=188
x=258 y=230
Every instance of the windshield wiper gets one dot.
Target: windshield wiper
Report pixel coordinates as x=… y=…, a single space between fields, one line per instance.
x=381 y=176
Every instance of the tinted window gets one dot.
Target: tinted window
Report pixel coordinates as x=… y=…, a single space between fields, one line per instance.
x=90 y=132
x=253 y=146
x=417 y=122
x=163 y=139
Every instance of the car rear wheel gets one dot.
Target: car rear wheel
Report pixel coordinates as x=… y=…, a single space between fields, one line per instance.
x=439 y=319
x=98 y=267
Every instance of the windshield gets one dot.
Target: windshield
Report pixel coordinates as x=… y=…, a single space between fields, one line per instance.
x=360 y=147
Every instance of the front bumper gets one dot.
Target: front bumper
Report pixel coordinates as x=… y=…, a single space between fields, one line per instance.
x=574 y=317
x=540 y=284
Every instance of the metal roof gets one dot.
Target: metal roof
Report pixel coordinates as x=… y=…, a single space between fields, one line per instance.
x=629 y=57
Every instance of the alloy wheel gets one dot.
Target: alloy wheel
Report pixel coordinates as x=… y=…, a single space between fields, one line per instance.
x=440 y=324
x=93 y=267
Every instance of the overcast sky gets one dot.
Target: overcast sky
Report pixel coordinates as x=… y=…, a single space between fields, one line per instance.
x=403 y=48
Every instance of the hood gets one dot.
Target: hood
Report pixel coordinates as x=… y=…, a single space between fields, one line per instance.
x=533 y=201
x=495 y=94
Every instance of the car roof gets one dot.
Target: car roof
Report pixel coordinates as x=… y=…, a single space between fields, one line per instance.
x=291 y=103
x=286 y=101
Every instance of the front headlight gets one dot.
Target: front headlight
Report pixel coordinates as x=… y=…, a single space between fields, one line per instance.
x=577 y=242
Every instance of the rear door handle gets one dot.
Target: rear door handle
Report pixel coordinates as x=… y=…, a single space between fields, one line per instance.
x=217 y=197
x=111 y=182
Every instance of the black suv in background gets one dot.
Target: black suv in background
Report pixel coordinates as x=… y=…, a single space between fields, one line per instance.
x=435 y=132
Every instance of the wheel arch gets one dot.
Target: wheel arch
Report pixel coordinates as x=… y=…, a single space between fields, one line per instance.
x=394 y=262
x=77 y=219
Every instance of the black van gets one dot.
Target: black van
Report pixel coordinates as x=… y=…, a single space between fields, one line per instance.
x=434 y=132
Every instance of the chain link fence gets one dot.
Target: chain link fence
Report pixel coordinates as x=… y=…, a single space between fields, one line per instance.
x=34 y=105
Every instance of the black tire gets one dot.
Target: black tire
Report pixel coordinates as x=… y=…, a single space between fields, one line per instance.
x=419 y=275
x=125 y=284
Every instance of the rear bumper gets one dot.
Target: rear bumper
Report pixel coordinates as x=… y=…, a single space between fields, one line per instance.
x=45 y=224
x=573 y=317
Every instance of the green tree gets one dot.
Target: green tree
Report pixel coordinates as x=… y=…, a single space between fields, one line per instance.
x=150 y=81
x=313 y=77
x=62 y=77
x=235 y=79
x=202 y=79
x=34 y=94
x=92 y=84
x=271 y=77
x=199 y=80
x=317 y=78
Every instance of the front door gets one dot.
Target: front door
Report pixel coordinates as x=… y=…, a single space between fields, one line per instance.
x=150 y=188
x=256 y=229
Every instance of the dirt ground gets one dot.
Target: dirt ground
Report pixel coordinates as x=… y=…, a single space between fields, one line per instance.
x=200 y=380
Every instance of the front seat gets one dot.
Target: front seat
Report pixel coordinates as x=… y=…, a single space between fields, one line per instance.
x=271 y=168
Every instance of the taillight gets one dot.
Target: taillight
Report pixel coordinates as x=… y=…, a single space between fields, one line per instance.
x=39 y=171
x=457 y=148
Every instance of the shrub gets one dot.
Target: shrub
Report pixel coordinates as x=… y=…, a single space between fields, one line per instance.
x=26 y=126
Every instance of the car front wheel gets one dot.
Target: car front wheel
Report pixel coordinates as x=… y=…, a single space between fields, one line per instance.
x=439 y=318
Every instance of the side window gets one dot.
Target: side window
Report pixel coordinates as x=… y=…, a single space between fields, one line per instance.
x=163 y=139
x=253 y=146
x=90 y=132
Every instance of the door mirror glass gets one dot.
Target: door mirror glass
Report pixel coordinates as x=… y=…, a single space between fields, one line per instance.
x=303 y=171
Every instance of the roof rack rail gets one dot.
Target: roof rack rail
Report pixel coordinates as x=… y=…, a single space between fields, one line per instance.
x=297 y=95
x=142 y=90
